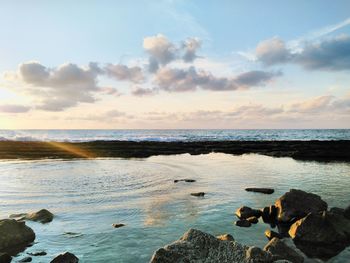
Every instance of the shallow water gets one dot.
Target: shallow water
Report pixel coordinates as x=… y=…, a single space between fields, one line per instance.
x=88 y=196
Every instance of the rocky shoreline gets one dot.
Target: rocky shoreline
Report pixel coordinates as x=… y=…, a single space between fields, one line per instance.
x=299 y=150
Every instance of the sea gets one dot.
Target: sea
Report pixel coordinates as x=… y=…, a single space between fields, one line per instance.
x=88 y=196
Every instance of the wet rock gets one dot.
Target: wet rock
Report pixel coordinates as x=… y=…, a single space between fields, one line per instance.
x=261 y=190
x=245 y=212
x=67 y=257
x=185 y=180
x=196 y=246
x=226 y=237
x=243 y=223
x=253 y=220
x=14 y=234
x=322 y=235
x=118 y=225
x=265 y=214
x=296 y=204
x=26 y=259
x=280 y=251
x=272 y=234
x=42 y=216
x=37 y=253
x=347 y=212
x=199 y=194
x=5 y=258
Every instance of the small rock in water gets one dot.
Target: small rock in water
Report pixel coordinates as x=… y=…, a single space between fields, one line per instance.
x=42 y=216
x=26 y=259
x=272 y=234
x=198 y=194
x=37 y=253
x=118 y=225
x=261 y=190
x=5 y=258
x=245 y=212
x=185 y=180
x=226 y=237
x=65 y=258
x=253 y=220
x=243 y=223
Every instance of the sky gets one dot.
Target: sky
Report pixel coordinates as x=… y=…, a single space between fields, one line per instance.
x=174 y=64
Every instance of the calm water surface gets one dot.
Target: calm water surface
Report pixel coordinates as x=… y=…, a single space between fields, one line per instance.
x=88 y=196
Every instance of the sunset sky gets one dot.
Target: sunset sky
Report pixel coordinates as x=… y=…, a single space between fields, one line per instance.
x=174 y=64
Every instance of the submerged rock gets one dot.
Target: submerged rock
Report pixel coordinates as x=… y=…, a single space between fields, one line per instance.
x=196 y=246
x=5 y=258
x=37 y=253
x=42 y=216
x=296 y=204
x=245 y=212
x=67 y=257
x=261 y=190
x=118 y=225
x=199 y=194
x=322 y=235
x=280 y=250
x=14 y=234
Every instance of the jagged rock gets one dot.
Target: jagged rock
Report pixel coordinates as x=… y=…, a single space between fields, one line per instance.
x=26 y=259
x=196 y=246
x=243 y=223
x=5 y=258
x=226 y=237
x=118 y=225
x=199 y=194
x=14 y=234
x=296 y=204
x=253 y=220
x=67 y=257
x=42 y=216
x=272 y=234
x=280 y=250
x=245 y=212
x=261 y=190
x=322 y=235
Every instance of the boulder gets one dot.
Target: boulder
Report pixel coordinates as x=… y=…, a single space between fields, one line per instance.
x=256 y=254
x=253 y=220
x=196 y=246
x=321 y=235
x=226 y=237
x=65 y=258
x=243 y=223
x=199 y=194
x=245 y=212
x=14 y=234
x=272 y=234
x=280 y=251
x=42 y=216
x=296 y=204
x=261 y=190
x=5 y=258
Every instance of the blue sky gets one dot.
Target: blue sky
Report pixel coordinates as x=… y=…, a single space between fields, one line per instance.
x=294 y=88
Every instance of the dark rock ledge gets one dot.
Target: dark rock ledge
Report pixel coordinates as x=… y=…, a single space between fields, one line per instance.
x=301 y=150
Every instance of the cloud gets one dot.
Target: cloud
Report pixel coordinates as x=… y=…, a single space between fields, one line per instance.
x=139 y=91
x=123 y=72
x=59 y=88
x=12 y=108
x=331 y=54
x=179 y=80
x=322 y=104
x=190 y=47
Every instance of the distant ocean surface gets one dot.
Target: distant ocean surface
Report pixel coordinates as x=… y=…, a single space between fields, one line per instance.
x=174 y=135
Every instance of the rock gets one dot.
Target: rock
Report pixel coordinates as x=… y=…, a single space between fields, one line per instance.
x=245 y=212
x=38 y=253
x=261 y=190
x=198 y=194
x=196 y=246
x=280 y=250
x=5 y=258
x=347 y=212
x=272 y=234
x=185 y=180
x=253 y=220
x=322 y=235
x=65 y=258
x=42 y=216
x=118 y=225
x=26 y=259
x=265 y=214
x=256 y=254
x=14 y=234
x=225 y=237
x=243 y=223
x=296 y=204
x=337 y=210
